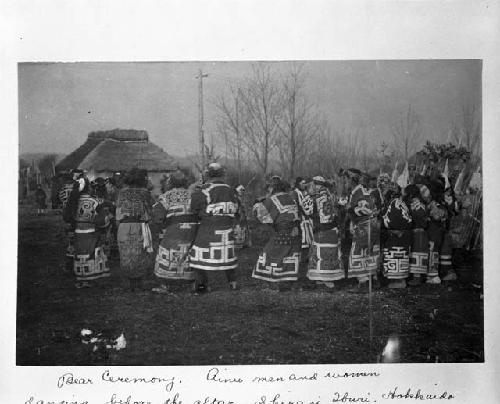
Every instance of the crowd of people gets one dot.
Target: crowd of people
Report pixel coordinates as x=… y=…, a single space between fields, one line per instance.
x=377 y=232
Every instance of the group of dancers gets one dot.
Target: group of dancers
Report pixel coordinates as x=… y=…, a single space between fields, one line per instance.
x=399 y=236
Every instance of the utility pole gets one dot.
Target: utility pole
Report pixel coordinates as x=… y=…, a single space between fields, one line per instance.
x=238 y=140
x=201 y=134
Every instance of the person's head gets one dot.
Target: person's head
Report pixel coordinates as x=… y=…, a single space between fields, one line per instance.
x=412 y=192
x=215 y=172
x=394 y=191
x=240 y=190
x=372 y=182
x=354 y=176
x=319 y=182
x=137 y=178
x=383 y=182
x=436 y=190
x=277 y=185
x=300 y=183
x=177 y=180
x=76 y=174
x=425 y=192
x=100 y=187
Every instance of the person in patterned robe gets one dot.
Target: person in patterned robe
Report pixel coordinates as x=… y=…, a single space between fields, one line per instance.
x=305 y=205
x=214 y=205
x=419 y=251
x=280 y=259
x=90 y=261
x=396 y=252
x=68 y=188
x=325 y=262
x=447 y=271
x=134 y=210
x=107 y=210
x=172 y=213
x=364 y=227
x=438 y=216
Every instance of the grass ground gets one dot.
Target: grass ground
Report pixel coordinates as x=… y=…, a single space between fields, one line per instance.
x=255 y=325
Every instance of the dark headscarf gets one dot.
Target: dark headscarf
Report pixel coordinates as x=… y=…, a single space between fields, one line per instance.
x=298 y=180
x=437 y=190
x=137 y=178
x=177 y=180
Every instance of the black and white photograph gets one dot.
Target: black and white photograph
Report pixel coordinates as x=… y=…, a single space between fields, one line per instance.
x=189 y=213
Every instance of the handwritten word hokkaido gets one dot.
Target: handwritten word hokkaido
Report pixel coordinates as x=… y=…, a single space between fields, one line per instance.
x=418 y=395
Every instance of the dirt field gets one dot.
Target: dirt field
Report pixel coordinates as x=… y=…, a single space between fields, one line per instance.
x=255 y=325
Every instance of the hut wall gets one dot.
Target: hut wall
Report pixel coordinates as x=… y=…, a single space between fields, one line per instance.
x=156 y=178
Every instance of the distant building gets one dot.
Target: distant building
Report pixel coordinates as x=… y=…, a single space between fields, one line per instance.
x=107 y=152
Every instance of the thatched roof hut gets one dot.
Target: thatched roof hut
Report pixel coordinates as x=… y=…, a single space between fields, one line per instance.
x=118 y=150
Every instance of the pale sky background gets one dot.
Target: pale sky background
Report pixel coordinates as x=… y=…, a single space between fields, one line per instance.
x=60 y=103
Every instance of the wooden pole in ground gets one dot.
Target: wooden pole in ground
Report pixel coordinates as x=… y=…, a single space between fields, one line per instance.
x=201 y=133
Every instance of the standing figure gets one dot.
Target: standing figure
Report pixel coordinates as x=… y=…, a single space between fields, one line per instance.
x=280 y=259
x=446 y=265
x=436 y=229
x=241 y=233
x=69 y=192
x=90 y=261
x=419 y=252
x=41 y=199
x=396 y=252
x=173 y=213
x=215 y=205
x=134 y=207
x=305 y=204
x=365 y=248
x=107 y=211
x=325 y=262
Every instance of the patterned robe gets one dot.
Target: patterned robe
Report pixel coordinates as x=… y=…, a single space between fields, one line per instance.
x=325 y=262
x=90 y=261
x=173 y=213
x=280 y=258
x=305 y=205
x=396 y=254
x=215 y=205
x=365 y=231
x=419 y=255
x=133 y=213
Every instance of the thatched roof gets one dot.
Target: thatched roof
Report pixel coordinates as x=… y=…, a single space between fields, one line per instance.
x=115 y=155
x=118 y=150
x=120 y=134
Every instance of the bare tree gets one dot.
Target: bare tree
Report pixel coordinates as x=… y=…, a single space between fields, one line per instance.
x=261 y=107
x=297 y=123
x=248 y=116
x=228 y=124
x=407 y=133
x=468 y=131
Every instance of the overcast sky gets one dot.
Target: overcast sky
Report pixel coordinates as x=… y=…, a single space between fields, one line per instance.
x=60 y=103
